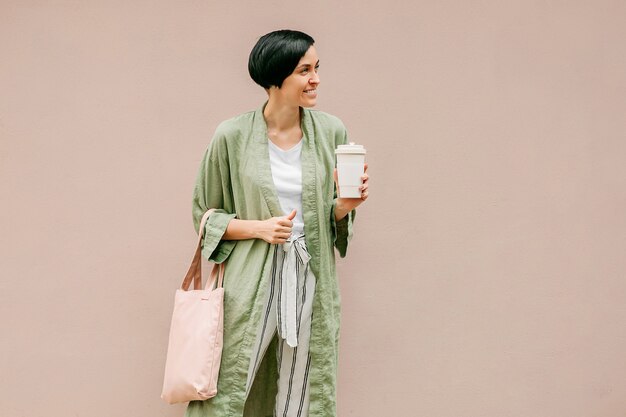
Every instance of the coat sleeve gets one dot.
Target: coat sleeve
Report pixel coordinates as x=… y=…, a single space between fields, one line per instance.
x=213 y=190
x=342 y=229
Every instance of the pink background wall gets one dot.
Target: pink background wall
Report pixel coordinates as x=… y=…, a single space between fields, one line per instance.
x=486 y=277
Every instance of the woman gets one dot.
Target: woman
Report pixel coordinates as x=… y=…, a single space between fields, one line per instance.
x=269 y=172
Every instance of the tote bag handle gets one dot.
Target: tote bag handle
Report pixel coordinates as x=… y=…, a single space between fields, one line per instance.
x=195 y=269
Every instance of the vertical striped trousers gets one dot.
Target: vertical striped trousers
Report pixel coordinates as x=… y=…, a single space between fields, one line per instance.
x=288 y=308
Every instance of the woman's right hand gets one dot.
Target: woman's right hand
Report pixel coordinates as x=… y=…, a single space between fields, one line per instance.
x=276 y=230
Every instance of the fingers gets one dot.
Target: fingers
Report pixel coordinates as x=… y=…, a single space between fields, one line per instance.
x=279 y=239
x=364 y=186
x=284 y=221
x=279 y=229
x=280 y=235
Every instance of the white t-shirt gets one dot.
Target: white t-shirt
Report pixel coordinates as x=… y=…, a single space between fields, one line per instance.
x=287 y=175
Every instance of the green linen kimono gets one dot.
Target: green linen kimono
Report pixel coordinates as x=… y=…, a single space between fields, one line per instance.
x=235 y=178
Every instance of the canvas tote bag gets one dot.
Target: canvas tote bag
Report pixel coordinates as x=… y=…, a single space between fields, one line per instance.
x=196 y=334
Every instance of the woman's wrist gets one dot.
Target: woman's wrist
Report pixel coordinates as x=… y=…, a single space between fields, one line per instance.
x=341 y=209
x=238 y=229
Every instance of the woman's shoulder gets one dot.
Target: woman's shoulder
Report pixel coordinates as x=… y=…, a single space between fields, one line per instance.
x=235 y=125
x=329 y=129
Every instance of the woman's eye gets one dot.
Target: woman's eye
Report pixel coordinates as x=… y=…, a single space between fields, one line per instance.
x=305 y=70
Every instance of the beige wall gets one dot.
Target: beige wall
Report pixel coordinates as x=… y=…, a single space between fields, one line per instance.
x=486 y=277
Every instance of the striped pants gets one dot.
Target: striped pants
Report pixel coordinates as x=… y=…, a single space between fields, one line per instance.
x=288 y=308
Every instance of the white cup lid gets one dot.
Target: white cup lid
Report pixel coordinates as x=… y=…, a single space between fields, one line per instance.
x=350 y=148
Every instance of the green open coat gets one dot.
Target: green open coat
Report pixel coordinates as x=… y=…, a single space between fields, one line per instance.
x=235 y=177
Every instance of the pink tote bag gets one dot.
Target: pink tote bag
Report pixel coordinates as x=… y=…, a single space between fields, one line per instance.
x=196 y=335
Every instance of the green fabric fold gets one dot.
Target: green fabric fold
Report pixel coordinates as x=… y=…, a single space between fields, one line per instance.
x=213 y=247
x=213 y=190
x=341 y=230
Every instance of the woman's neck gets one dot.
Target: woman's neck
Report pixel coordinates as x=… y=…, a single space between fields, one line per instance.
x=281 y=117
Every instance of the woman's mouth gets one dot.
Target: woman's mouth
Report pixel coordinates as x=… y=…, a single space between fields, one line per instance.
x=312 y=92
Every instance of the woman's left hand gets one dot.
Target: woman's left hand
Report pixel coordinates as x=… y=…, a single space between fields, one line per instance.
x=348 y=204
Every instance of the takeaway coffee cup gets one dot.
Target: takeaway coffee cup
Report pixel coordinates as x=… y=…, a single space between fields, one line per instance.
x=350 y=169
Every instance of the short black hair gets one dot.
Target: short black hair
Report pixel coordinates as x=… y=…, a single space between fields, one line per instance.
x=275 y=56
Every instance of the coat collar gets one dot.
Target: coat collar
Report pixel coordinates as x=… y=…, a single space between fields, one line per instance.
x=261 y=152
x=259 y=127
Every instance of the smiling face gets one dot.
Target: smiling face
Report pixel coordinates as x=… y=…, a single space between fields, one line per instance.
x=300 y=88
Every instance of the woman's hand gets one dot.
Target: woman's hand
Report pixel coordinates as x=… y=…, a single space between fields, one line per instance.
x=276 y=230
x=345 y=205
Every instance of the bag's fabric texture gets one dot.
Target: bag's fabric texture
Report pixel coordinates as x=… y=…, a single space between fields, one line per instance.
x=196 y=334
x=235 y=178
